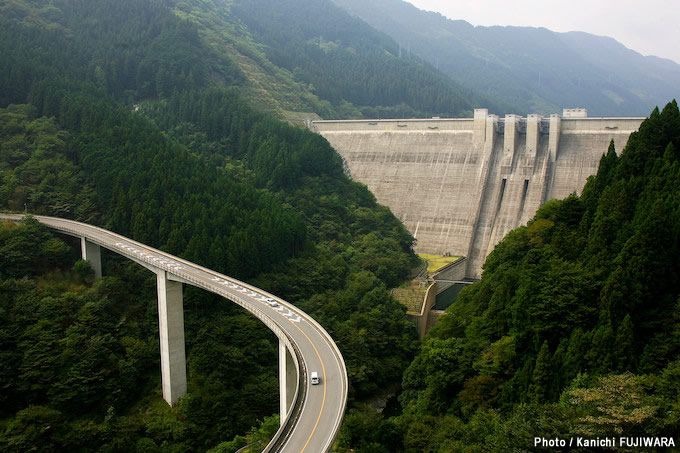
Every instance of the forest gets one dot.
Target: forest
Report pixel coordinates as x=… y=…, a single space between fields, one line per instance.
x=188 y=171
x=573 y=330
x=345 y=60
x=125 y=116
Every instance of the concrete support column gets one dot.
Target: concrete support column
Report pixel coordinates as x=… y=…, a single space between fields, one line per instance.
x=554 y=136
x=533 y=136
x=491 y=124
x=510 y=141
x=287 y=380
x=482 y=184
x=171 y=327
x=93 y=255
x=479 y=126
x=553 y=152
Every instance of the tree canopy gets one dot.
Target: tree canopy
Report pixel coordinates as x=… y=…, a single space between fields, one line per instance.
x=169 y=156
x=578 y=306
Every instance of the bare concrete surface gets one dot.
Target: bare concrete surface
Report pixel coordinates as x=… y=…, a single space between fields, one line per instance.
x=460 y=185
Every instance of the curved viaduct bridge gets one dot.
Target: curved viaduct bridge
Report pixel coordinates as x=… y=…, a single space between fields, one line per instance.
x=310 y=415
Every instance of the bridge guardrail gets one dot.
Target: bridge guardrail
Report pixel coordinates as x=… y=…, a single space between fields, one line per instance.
x=293 y=414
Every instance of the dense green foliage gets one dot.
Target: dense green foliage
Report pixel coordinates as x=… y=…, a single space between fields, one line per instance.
x=82 y=356
x=216 y=121
x=146 y=186
x=34 y=169
x=192 y=170
x=116 y=113
x=265 y=86
x=346 y=61
x=151 y=55
x=574 y=328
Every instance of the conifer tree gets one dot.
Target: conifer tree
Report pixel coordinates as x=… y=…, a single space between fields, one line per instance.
x=540 y=379
x=624 y=354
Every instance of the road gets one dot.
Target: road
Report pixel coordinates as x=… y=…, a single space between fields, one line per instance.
x=323 y=406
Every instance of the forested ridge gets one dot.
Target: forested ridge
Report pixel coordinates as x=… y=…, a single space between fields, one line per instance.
x=534 y=69
x=346 y=61
x=149 y=57
x=97 y=124
x=311 y=56
x=288 y=58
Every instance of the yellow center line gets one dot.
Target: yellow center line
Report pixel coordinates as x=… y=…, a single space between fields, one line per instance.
x=323 y=401
x=195 y=273
x=323 y=371
x=323 y=367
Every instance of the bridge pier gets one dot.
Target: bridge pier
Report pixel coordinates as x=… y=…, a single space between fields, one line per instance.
x=92 y=253
x=287 y=380
x=171 y=327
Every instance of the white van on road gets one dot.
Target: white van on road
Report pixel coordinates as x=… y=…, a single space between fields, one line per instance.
x=315 y=378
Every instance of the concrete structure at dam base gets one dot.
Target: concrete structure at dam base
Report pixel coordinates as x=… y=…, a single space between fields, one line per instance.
x=460 y=185
x=424 y=315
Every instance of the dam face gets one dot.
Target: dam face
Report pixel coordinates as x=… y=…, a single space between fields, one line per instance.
x=460 y=185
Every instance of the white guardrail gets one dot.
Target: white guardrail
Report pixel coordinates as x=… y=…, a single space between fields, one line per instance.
x=79 y=229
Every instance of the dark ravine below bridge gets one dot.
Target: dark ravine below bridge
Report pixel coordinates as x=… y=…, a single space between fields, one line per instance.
x=460 y=185
x=311 y=414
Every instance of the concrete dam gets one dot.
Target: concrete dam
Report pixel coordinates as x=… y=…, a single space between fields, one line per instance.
x=460 y=185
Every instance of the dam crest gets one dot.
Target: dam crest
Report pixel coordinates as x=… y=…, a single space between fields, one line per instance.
x=461 y=184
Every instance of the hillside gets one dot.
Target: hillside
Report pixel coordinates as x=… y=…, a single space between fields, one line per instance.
x=116 y=114
x=327 y=64
x=535 y=69
x=574 y=328
x=300 y=56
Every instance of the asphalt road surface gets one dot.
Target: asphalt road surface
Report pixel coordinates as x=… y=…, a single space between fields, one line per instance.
x=321 y=411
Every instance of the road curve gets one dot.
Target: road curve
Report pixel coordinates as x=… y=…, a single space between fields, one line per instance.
x=314 y=422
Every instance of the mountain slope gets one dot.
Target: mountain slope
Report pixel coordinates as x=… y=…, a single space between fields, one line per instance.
x=266 y=86
x=534 y=68
x=113 y=113
x=300 y=56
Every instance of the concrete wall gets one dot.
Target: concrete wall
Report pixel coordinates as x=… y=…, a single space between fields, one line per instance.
x=433 y=318
x=424 y=125
x=460 y=185
x=449 y=274
x=422 y=319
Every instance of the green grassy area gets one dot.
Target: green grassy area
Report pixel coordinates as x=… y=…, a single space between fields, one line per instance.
x=436 y=262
